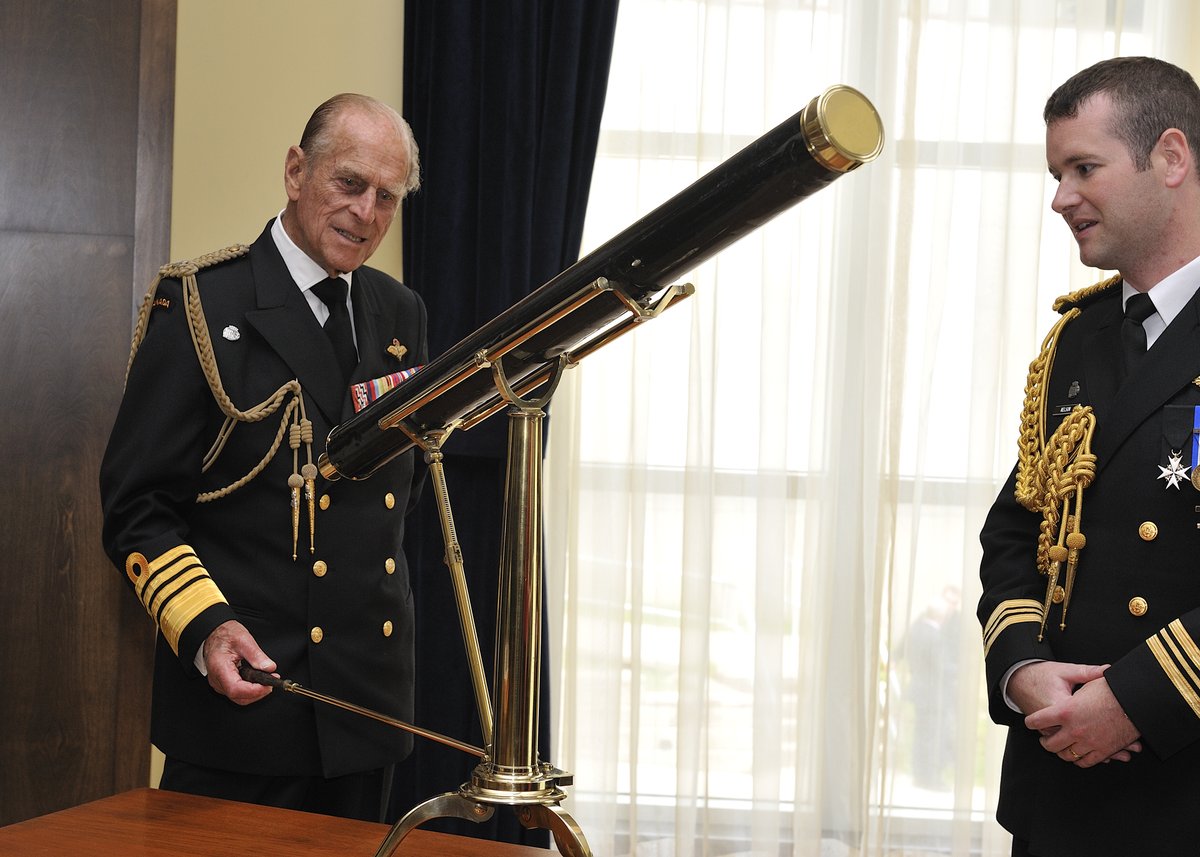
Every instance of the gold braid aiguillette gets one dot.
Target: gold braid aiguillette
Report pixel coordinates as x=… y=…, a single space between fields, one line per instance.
x=1054 y=470
x=287 y=399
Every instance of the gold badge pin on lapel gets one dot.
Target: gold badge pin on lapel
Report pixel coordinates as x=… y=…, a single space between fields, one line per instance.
x=397 y=350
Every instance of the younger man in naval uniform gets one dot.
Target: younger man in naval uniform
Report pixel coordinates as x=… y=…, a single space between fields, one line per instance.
x=238 y=549
x=1091 y=568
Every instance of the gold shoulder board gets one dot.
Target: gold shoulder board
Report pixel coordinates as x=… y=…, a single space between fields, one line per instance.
x=1081 y=297
x=189 y=267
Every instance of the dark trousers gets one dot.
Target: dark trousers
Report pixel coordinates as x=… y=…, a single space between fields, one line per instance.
x=362 y=796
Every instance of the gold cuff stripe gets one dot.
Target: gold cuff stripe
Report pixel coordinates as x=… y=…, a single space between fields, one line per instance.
x=166 y=559
x=1186 y=642
x=1188 y=691
x=1012 y=612
x=162 y=581
x=183 y=610
x=175 y=589
x=1159 y=645
x=1184 y=656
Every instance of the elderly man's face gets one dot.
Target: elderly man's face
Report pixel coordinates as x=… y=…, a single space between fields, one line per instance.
x=342 y=203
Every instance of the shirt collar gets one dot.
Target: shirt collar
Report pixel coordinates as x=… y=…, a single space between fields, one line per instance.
x=303 y=269
x=1171 y=293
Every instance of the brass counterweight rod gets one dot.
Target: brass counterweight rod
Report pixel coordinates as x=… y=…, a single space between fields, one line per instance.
x=254 y=676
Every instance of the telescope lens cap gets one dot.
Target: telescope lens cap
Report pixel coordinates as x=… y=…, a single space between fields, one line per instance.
x=842 y=129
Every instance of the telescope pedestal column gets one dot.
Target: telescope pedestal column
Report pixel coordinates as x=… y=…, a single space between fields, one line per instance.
x=512 y=774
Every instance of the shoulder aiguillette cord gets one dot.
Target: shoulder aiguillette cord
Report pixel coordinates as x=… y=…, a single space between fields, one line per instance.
x=254 y=676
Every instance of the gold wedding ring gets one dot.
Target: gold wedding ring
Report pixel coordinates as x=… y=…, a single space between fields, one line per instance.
x=1071 y=750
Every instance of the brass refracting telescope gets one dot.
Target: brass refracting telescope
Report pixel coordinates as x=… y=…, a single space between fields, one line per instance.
x=516 y=360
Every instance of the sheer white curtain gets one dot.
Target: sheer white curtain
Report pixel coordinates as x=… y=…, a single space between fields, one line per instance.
x=763 y=507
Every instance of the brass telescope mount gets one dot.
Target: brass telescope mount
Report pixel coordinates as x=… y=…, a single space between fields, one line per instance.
x=510 y=774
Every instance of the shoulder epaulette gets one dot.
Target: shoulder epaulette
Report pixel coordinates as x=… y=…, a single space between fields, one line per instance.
x=184 y=271
x=1082 y=297
x=189 y=267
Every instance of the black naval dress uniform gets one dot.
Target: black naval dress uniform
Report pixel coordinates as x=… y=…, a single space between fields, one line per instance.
x=1135 y=602
x=338 y=618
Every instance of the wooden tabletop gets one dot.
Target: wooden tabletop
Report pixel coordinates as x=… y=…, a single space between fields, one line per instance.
x=153 y=823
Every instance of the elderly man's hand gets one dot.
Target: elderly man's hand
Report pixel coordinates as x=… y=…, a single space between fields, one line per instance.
x=224 y=650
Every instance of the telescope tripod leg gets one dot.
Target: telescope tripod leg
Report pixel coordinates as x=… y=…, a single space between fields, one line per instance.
x=568 y=836
x=448 y=805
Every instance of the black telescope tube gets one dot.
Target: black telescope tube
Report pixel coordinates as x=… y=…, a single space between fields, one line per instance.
x=836 y=132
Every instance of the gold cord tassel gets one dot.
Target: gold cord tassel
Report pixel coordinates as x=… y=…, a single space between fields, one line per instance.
x=294 y=483
x=309 y=471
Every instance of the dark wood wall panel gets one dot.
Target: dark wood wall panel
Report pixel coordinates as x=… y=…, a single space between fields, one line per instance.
x=86 y=89
x=70 y=75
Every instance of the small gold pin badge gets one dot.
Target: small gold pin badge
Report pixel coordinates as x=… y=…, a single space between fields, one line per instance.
x=397 y=350
x=165 y=303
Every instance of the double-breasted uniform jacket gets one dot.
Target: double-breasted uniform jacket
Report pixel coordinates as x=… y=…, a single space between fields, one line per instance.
x=338 y=619
x=1135 y=602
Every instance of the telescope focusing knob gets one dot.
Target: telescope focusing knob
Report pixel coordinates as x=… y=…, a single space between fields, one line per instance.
x=842 y=129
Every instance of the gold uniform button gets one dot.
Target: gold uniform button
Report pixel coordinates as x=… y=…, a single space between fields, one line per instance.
x=316 y=634
x=1059 y=595
x=387 y=628
x=390 y=566
x=1148 y=531
x=319 y=568
x=389 y=500
x=1138 y=606
x=324 y=502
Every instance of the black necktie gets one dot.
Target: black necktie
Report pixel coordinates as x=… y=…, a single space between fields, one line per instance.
x=1133 y=335
x=332 y=293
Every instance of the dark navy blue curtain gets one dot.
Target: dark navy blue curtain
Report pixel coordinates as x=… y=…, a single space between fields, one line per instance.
x=505 y=100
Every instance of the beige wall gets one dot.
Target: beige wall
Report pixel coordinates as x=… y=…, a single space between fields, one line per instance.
x=249 y=74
